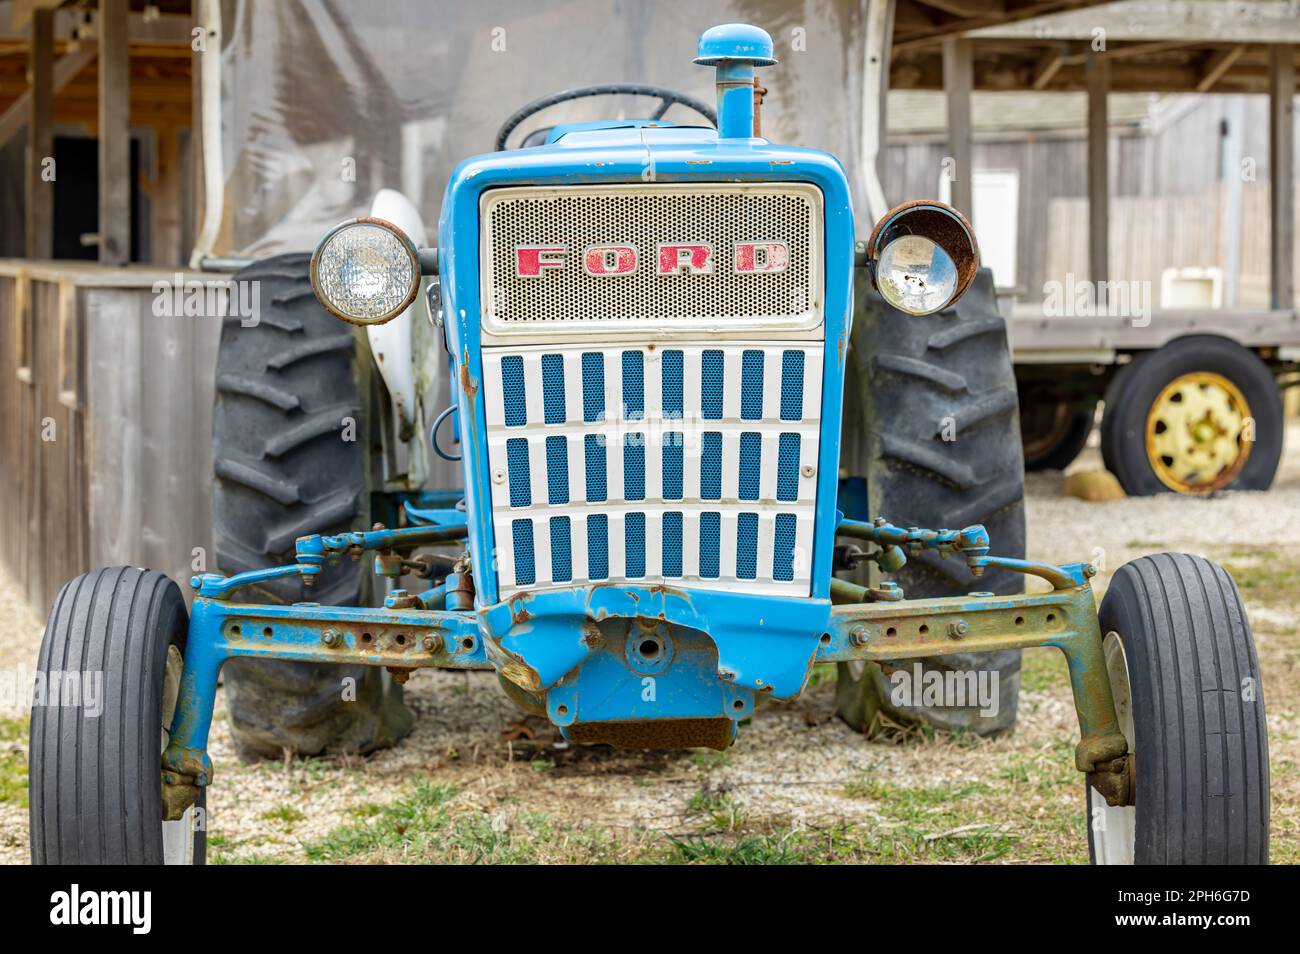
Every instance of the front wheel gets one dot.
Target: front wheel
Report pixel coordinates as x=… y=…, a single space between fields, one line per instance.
x=110 y=671
x=1185 y=678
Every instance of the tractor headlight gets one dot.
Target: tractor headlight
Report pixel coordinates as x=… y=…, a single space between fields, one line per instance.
x=923 y=257
x=365 y=271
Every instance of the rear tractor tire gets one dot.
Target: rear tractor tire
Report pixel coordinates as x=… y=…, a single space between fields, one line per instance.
x=943 y=450
x=289 y=391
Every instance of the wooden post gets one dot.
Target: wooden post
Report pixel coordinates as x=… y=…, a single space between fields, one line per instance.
x=1098 y=76
x=1281 y=171
x=40 y=137
x=958 y=78
x=114 y=134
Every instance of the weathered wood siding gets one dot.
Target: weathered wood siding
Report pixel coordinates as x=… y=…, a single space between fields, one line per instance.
x=105 y=426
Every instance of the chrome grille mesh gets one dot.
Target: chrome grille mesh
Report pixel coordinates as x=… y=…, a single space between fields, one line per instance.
x=581 y=217
x=691 y=463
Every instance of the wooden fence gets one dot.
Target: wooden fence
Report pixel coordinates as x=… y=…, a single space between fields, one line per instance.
x=105 y=425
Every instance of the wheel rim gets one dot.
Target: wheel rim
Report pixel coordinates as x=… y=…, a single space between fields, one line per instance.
x=177 y=836
x=1196 y=438
x=1114 y=828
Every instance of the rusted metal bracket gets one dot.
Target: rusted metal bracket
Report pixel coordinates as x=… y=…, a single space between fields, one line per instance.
x=887 y=632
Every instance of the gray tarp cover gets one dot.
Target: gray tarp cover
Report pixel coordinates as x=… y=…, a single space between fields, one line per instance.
x=326 y=102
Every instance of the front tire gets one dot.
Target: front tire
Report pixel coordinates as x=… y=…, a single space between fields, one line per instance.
x=96 y=777
x=1185 y=677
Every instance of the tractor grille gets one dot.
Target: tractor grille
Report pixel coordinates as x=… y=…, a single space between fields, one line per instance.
x=693 y=464
x=579 y=218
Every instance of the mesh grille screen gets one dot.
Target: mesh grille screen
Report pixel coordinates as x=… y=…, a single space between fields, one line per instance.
x=645 y=217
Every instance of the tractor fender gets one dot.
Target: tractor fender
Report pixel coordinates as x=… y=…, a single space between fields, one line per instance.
x=391 y=342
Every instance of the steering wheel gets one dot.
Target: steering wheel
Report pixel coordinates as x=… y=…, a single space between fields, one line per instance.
x=667 y=97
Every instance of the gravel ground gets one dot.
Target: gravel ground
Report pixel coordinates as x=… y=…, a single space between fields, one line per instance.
x=796 y=768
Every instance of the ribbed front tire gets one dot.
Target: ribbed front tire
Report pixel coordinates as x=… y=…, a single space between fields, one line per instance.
x=95 y=776
x=1185 y=675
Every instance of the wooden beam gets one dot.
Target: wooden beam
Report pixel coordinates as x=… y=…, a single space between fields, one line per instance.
x=1281 y=174
x=15 y=117
x=39 y=229
x=1048 y=66
x=966 y=8
x=114 y=134
x=1218 y=63
x=958 y=78
x=1098 y=70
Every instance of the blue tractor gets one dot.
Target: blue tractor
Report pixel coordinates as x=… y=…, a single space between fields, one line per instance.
x=648 y=327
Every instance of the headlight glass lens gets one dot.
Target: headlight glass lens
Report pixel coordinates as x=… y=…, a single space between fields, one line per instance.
x=366 y=273
x=915 y=275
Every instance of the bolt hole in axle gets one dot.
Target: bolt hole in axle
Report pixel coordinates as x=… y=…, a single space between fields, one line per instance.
x=367 y=638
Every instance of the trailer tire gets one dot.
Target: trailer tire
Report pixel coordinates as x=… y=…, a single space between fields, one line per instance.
x=1153 y=381
x=925 y=384
x=287 y=388
x=1190 y=701
x=95 y=778
x=1065 y=438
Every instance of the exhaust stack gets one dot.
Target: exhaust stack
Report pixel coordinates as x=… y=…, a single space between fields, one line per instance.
x=735 y=49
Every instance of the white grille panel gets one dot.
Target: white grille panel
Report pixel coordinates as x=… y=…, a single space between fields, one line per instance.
x=683 y=463
x=578 y=218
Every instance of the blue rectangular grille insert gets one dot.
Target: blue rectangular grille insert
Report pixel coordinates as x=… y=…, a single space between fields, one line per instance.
x=672 y=543
x=783 y=547
x=751 y=467
x=672 y=465
x=792 y=385
x=751 y=386
x=593 y=446
x=634 y=532
x=672 y=374
x=593 y=386
x=597 y=547
x=747 y=546
x=521 y=490
x=787 y=467
x=711 y=385
x=710 y=531
x=553 y=388
x=561 y=550
x=633 y=385
x=711 y=465
x=525 y=570
x=512 y=391
x=557 y=469
x=634 y=466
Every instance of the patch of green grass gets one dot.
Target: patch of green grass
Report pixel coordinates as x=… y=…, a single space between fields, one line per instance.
x=13 y=760
x=541 y=765
x=287 y=815
x=748 y=850
x=722 y=812
x=903 y=801
x=430 y=826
